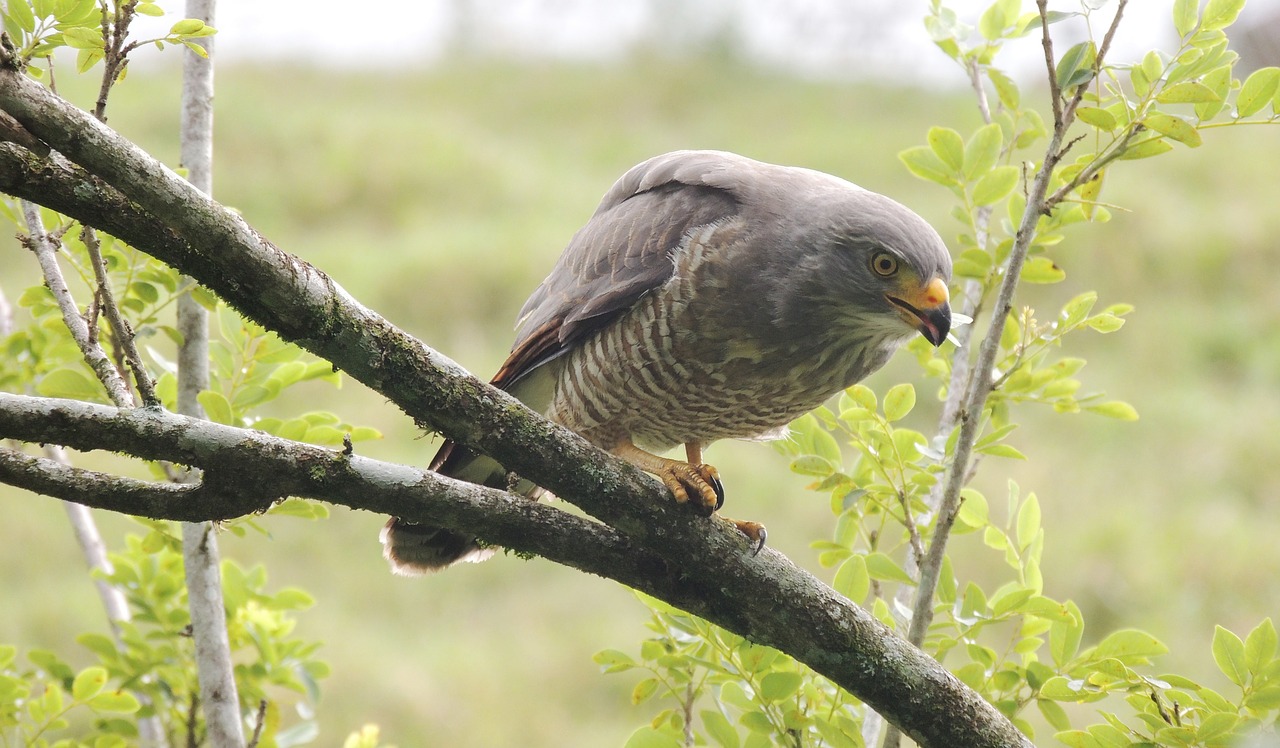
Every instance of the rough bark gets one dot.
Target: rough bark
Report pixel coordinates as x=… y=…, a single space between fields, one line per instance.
x=702 y=565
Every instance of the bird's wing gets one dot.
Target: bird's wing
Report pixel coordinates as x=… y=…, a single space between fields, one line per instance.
x=624 y=251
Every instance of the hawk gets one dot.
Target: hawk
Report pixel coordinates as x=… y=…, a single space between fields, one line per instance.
x=710 y=296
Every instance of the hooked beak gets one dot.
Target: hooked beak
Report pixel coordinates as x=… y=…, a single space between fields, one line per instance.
x=926 y=309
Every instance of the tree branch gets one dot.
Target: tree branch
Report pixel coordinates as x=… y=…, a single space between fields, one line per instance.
x=219 y=696
x=764 y=598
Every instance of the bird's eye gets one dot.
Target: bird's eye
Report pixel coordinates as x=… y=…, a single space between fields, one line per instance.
x=884 y=264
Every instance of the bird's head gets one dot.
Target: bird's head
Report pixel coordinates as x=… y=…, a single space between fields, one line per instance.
x=919 y=301
x=874 y=268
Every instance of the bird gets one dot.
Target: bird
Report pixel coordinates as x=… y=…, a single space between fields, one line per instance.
x=709 y=296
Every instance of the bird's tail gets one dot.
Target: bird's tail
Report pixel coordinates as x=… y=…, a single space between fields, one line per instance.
x=414 y=549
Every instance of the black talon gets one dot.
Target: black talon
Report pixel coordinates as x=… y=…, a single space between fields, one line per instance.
x=760 y=545
x=718 y=487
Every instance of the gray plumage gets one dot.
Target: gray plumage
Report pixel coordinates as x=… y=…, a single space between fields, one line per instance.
x=709 y=296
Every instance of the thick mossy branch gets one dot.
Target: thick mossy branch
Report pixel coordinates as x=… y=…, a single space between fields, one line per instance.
x=767 y=599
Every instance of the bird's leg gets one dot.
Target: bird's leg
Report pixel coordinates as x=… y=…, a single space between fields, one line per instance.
x=693 y=455
x=754 y=531
x=683 y=479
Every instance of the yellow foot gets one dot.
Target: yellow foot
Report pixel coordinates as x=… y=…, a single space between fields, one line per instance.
x=755 y=532
x=686 y=480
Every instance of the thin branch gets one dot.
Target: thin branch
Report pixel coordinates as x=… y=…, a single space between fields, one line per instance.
x=39 y=242
x=95 y=553
x=122 y=331
x=1046 y=41
x=115 y=29
x=980 y=383
x=200 y=555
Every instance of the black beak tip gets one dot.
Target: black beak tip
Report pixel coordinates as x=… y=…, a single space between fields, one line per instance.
x=935 y=324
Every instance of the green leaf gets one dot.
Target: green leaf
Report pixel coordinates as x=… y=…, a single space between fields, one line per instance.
x=1115 y=409
x=1260 y=646
x=292 y=598
x=120 y=702
x=216 y=407
x=1054 y=714
x=1228 y=653
x=1064 y=636
x=294 y=507
x=948 y=146
x=83 y=37
x=1186 y=14
x=1173 y=127
x=187 y=27
x=881 y=567
x=1146 y=149
x=88 y=683
x=1003 y=450
x=1188 y=92
x=1028 y=521
x=99 y=644
x=1267 y=698
x=1219 y=14
x=995 y=185
x=643 y=690
x=720 y=729
x=924 y=163
x=973 y=511
x=613 y=660
x=982 y=151
x=1076 y=66
x=781 y=685
x=1257 y=91
x=899 y=401
x=20 y=12
x=994 y=21
x=1005 y=87
x=1219 y=81
x=818 y=467
x=150 y=9
x=144 y=291
x=1130 y=646
x=1059 y=688
x=973 y=263
x=1042 y=270
x=852 y=579
x=1105 y=322
x=1215 y=726
x=1099 y=118
x=69 y=383
x=647 y=737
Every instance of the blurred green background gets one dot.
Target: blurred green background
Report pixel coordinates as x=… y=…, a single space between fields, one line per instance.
x=440 y=198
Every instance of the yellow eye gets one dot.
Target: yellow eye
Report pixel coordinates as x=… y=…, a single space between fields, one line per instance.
x=884 y=264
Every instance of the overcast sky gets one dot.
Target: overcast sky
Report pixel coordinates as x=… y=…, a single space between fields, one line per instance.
x=825 y=37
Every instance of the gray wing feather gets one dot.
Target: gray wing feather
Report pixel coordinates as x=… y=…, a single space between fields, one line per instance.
x=624 y=251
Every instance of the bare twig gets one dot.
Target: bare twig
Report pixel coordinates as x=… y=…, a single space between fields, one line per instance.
x=259 y=722
x=39 y=242
x=122 y=331
x=95 y=552
x=115 y=30
x=1046 y=41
